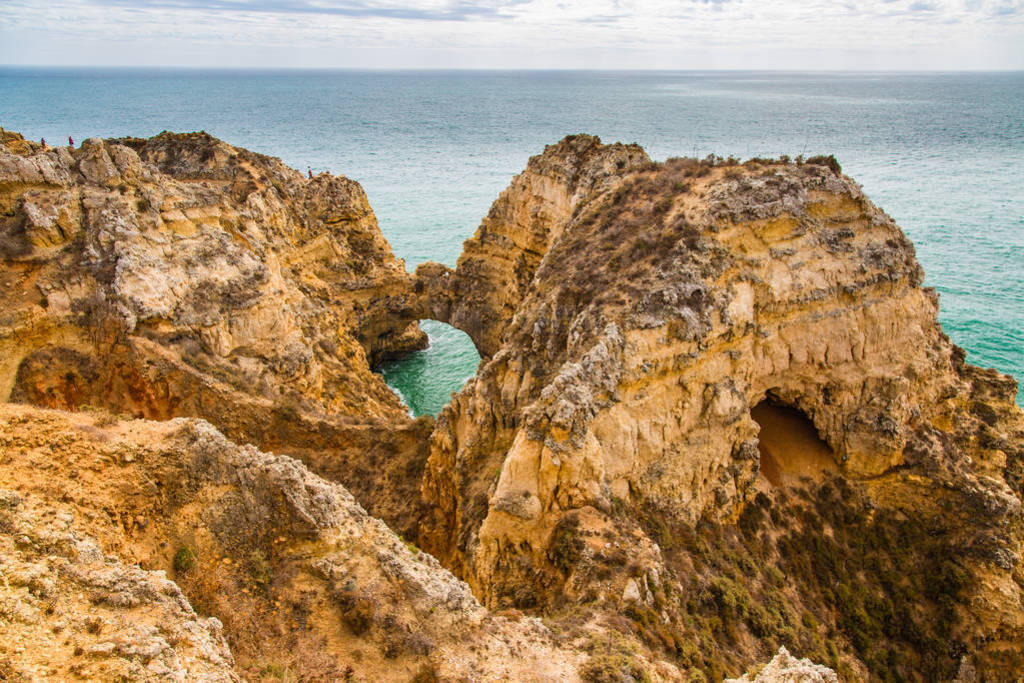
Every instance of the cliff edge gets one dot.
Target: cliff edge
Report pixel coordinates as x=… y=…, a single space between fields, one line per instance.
x=180 y=276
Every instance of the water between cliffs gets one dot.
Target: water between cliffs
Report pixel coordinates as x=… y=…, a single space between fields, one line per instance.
x=942 y=153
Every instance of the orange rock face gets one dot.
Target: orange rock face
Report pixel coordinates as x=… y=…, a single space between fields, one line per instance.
x=669 y=302
x=180 y=276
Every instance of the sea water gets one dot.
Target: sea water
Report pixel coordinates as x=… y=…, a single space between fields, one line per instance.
x=943 y=154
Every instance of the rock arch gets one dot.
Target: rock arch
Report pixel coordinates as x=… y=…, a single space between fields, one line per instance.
x=493 y=275
x=667 y=305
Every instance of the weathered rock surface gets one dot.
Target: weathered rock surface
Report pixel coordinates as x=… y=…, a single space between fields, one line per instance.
x=616 y=415
x=716 y=415
x=785 y=668
x=181 y=276
x=519 y=229
x=64 y=602
x=301 y=577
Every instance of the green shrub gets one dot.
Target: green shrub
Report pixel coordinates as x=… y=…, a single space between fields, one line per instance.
x=829 y=161
x=184 y=560
x=565 y=546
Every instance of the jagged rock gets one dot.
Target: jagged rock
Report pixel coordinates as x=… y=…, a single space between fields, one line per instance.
x=181 y=276
x=716 y=413
x=64 y=604
x=229 y=262
x=785 y=668
x=300 y=575
x=519 y=229
x=671 y=301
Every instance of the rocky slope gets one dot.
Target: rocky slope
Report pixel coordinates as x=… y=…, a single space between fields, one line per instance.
x=96 y=512
x=64 y=606
x=716 y=415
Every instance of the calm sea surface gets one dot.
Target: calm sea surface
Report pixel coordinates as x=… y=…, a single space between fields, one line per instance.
x=942 y=153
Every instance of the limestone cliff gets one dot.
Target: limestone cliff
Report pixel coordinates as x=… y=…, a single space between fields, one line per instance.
x=610 y=443
x=716 y=415
x=181 y=276
x=519 y=229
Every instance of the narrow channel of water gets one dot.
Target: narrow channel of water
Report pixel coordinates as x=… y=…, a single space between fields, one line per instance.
x=425 y=380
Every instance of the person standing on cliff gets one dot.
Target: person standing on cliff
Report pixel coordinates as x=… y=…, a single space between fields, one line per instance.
x=42 y=141
x=71 y=141
x=310 y=172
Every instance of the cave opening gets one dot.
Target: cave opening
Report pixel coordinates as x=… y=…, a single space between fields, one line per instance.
x=425 y=379
x=789 y=444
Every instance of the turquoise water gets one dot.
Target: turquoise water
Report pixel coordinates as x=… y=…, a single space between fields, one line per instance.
x=942 y=153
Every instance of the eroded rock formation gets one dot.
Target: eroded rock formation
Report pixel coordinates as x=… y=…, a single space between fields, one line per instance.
x=181 y=276
x=617 y=412
x=515 y=235
x=64 y=600
x=301 y=577
x=716 y=414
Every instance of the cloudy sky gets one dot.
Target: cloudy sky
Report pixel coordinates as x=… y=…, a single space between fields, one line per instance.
x=600 y=34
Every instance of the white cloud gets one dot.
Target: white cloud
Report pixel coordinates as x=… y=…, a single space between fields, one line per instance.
x=946 y=34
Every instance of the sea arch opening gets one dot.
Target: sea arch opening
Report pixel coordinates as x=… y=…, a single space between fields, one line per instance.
x=789 y=444
x=426 y=379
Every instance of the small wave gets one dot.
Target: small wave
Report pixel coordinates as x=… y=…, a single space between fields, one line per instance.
x=401 y=397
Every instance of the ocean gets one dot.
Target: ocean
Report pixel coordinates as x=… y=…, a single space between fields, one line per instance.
x=943 y=154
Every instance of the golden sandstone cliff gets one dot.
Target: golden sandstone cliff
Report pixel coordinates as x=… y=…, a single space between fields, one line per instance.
x=180 y=276
x=715 y=415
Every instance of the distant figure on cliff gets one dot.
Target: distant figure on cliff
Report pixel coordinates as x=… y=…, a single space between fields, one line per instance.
x=310 y=172
x=71 y=141
x=42 y=141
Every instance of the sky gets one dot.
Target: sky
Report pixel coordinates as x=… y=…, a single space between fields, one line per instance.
x=518 y=34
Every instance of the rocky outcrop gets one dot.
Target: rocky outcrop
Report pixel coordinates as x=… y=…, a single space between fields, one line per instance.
x=517 y=232
x=785 y=668
x=618 y=407
x=64 y=601
x=230 y=263
x=181 y=276
x=716 y=415
x=96 y=512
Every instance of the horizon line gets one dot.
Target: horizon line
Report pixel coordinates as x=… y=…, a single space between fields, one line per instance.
x=415 y=69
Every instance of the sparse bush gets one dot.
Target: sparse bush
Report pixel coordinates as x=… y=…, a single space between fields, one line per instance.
x=94 y=625
x=612 y=660
x=105 y=419
x=184 y=560
x=829 y=161
x=357 y=612
x=565 y=546
x=258 y=568
x=426 y=674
